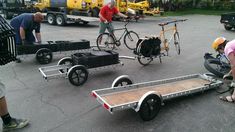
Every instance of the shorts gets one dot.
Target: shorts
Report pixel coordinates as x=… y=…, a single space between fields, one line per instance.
x=2 y=90
x=104 y=26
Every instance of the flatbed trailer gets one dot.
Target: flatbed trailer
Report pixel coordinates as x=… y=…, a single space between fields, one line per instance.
x=147 y=97
x=61 y=18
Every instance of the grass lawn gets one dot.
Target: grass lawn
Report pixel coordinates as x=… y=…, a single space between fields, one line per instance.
x=196 y=11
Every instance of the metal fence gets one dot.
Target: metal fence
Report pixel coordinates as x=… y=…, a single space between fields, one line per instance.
x=7 y=42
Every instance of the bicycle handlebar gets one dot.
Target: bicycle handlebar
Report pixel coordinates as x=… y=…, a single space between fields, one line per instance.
x=175 y=21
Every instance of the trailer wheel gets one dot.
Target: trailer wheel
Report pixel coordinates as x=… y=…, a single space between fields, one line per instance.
x=60 y=20
x=150 y=107
x=122 y=81
x=77 y=75
x=51 y=19
x=67 y=61
x=85 y=23
x=44 y=56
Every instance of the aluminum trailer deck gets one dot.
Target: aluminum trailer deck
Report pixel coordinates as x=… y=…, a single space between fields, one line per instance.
x=149 y=96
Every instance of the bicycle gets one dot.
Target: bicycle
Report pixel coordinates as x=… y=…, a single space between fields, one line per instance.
x=218 y=65
x=145 y=60
x=108 y=41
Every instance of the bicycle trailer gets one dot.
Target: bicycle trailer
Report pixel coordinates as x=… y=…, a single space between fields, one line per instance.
x=147 y=98
x=44 y=51
x=76 y=67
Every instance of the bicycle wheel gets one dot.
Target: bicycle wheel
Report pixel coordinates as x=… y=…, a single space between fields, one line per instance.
x=105 y=41
x=216 y=67
x=130 y=40
x=177 y=42
x=143 y=59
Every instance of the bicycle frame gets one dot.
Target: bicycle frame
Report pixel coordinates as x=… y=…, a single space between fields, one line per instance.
x=163 y=37
x=125 y=28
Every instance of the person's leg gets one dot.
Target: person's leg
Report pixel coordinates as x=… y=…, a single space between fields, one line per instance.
x=3 y=107
x=17 y=42
x=9 y=123
x=111 y=29
x=102 y=27
x=231 y=98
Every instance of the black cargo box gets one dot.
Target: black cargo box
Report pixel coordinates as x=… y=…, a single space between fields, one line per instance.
x=94 y=59
x=54 y=46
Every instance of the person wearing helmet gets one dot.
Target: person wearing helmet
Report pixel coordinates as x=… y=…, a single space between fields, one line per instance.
x=228 y=48
x=106 y=14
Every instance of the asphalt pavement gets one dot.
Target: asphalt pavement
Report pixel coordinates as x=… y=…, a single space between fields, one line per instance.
x=58 y=106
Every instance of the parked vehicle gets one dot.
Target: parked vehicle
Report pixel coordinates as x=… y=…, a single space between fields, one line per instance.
x=11 y=8
x=228 y=19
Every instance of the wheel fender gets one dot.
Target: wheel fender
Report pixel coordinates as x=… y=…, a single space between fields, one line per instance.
x=120 y=77
x=76 y=66
x=42 y=49
x=144 y=96
x=63 y=59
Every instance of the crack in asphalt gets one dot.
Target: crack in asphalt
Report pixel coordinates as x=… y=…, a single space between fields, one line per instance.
x=17 y=78
x=46 y=102
x=74 y=117
x=38 y=91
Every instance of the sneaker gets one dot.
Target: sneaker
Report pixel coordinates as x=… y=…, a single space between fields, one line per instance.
x=15 y=124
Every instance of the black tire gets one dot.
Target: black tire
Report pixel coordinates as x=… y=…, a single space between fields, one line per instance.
x=95 y=12
x=227 y=27
x=143 y=60
x=51 y=19
x=216 y=67
x=85 y=23
x=130 y=40
x=122 y=82
x=60 y=20
x=105 y=41
x=65 y=61
x=150 y=107
x=78 y=75
x=177 y=42
x=44 y=56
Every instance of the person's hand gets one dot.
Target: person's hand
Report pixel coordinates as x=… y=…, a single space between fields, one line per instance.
x=227 y=76
x=39 y=42
x=105 y=21
x=127 y=17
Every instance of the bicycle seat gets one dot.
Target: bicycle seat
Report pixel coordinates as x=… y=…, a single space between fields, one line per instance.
x=162 y=24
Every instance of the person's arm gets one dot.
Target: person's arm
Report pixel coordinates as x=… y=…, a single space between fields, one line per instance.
x=231 y=58
x=38 y=34
x=122 y=15
x=22 y=35
x=38 y=37
x=101 y=17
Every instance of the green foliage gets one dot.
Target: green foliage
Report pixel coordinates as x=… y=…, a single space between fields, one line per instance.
x=201 y=4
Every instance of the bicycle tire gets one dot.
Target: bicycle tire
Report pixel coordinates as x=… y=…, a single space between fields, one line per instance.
x=109 y=42
x=131 y=36
x=219 y=70
x=177 y=42
x=143 y=60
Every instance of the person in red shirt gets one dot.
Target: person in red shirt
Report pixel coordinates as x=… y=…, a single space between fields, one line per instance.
x=106 y=14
